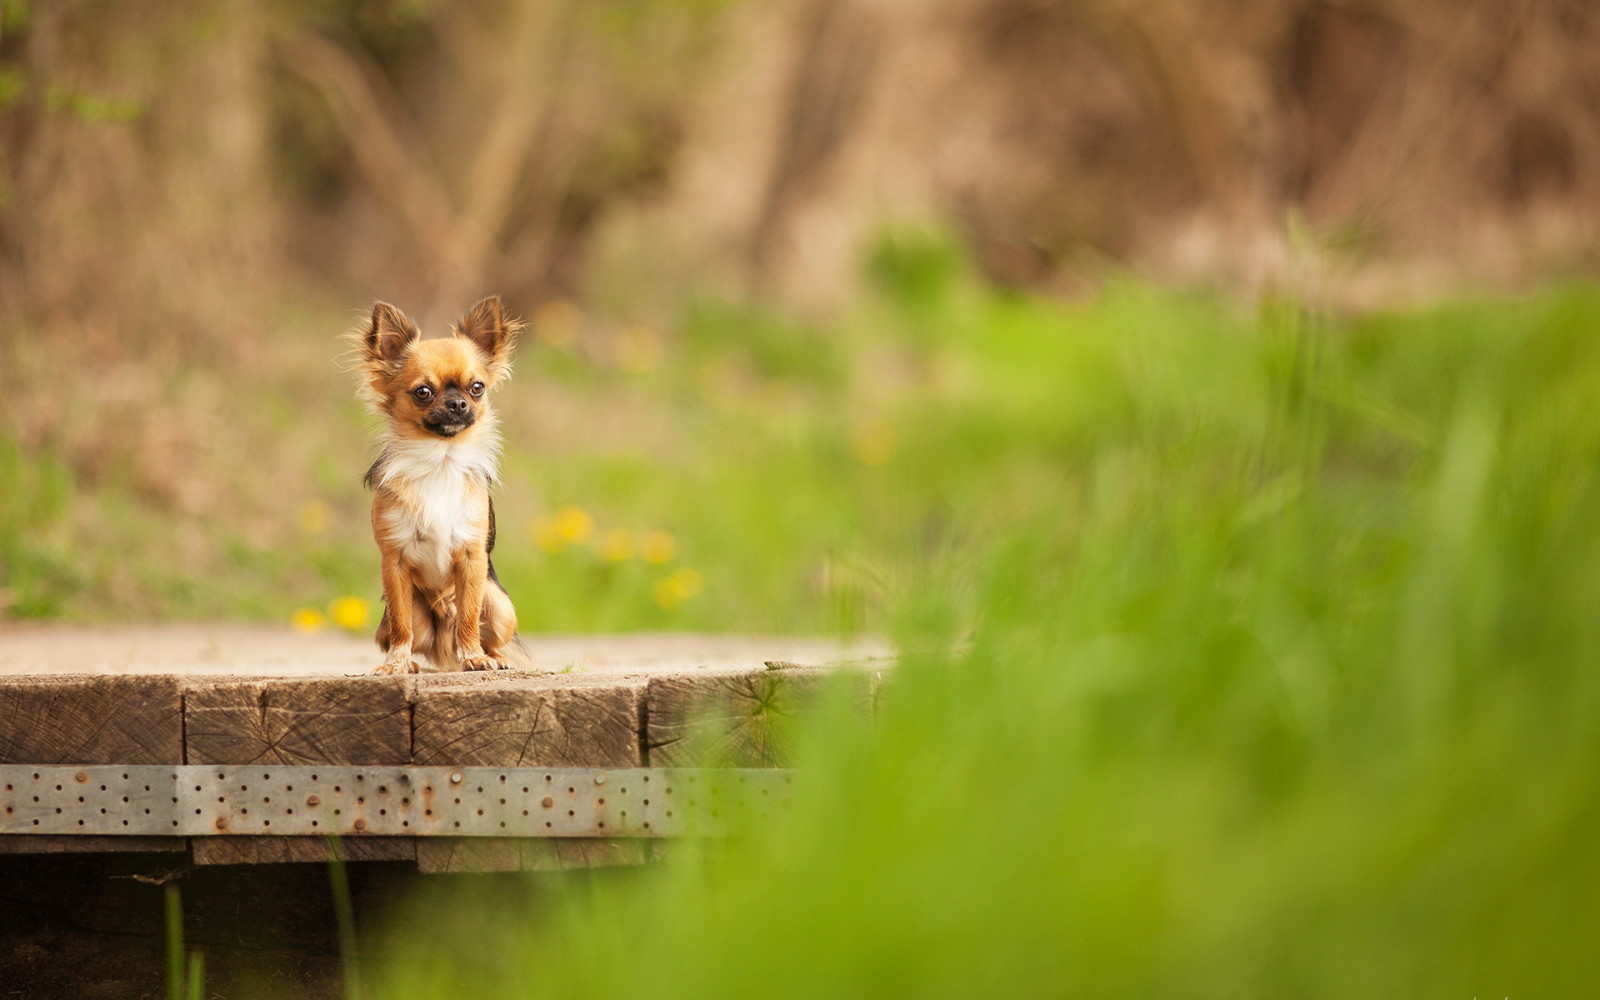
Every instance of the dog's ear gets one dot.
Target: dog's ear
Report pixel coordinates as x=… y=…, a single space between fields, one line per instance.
x=486 y=325
x=389 y=333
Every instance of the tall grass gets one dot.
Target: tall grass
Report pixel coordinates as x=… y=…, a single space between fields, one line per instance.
x=185 y=980
x=344 y=919
x=1255 y=656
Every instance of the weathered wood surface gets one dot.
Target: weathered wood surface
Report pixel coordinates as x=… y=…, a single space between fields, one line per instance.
x=552 y=721
x=357 y=720
x=563 y=721
x=194 y=695
x=744 y=718
x=241 y=651
x=90 y=720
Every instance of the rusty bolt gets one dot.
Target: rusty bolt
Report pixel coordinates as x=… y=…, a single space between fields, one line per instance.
x=455 y=778
x=312 y=800
x=81 y=777
x=547 y=802
x=222 y=823
x=360 y=824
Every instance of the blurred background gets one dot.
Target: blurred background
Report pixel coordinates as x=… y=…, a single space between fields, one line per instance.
x=703 y=207
x=1201 y=395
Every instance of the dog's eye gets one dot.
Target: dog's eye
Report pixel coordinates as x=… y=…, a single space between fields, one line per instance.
x=423 y=393
x=476 y=388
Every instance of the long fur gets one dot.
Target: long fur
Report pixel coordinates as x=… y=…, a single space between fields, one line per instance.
x=432 y=515
x=439 y=482
x=374 y=374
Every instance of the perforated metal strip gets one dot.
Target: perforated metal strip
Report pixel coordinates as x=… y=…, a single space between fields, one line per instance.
x=196 y=800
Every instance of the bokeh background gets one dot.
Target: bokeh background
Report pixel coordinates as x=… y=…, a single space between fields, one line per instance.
x=735 y=229
x=1200 y=395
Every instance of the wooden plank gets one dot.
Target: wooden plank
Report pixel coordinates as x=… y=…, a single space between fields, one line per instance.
x=535 y=722
x=744 y=719
x=345 y=720
x=81 y=719
x=274 y=850
x=443 y=855
x=549 y=721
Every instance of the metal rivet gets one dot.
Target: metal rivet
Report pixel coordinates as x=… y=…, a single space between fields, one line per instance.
x=360 y=824
x=599 y=779
x=455 y=778
x=312 y=800
x=81 y=777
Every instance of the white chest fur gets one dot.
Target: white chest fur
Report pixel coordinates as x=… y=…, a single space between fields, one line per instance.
x=443 y=493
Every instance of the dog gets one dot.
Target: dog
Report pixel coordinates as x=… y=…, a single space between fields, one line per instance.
x=432 y=514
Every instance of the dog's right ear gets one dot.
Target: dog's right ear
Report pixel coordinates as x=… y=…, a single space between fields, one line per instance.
x=389 y=334
x=492 y=333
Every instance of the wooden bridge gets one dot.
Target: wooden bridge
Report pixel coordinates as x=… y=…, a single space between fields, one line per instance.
x=230 y=697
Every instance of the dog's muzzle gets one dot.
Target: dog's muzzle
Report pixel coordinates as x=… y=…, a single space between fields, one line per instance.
x=451 y=415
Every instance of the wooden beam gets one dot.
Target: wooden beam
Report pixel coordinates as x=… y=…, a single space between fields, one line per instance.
x=86 y=719
x=743 y=719
x=531 y=721
x=345 y=720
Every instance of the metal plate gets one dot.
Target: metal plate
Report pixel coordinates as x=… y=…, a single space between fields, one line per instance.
x=196 y=800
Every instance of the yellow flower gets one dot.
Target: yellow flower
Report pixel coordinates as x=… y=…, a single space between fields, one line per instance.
x=874 y=442
x=547 y=535
x=657 y=547
x=307 y=620
x=615 y=545
x=557 y=323
x=689 y=582
x=350 y=612
x=638 y=348
x=568 y=526
x=672 y=590
x=574 y=524
x=665 y=594
x=314 y=516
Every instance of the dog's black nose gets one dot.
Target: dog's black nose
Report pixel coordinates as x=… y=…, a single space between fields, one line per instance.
x=456 y=406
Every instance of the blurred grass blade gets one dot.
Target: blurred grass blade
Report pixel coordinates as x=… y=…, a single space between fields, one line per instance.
x=174 y=938
x=196 y=976
x=345 y=916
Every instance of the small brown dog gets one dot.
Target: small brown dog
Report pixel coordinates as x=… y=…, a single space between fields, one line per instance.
x=431 y=511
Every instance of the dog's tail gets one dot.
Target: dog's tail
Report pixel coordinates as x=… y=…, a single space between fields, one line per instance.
x=515 y=655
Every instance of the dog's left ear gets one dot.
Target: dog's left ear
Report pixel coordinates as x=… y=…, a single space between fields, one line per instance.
x=486 y=325
x=388 y=334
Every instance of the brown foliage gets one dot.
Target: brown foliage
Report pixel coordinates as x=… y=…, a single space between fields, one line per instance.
x=170 y=174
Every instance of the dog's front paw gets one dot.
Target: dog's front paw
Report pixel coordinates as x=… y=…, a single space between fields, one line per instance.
x=481 y=661
x=397 y=663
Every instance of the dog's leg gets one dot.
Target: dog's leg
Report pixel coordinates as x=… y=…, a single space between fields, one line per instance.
x=427 y=628
x=394 y=634
x=499 y=629
x=471 y=576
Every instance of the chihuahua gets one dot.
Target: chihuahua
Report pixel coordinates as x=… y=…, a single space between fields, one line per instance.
x=431 y=510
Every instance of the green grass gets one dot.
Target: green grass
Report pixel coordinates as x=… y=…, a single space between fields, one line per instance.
x=1246 y=656
x=1248 y=653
